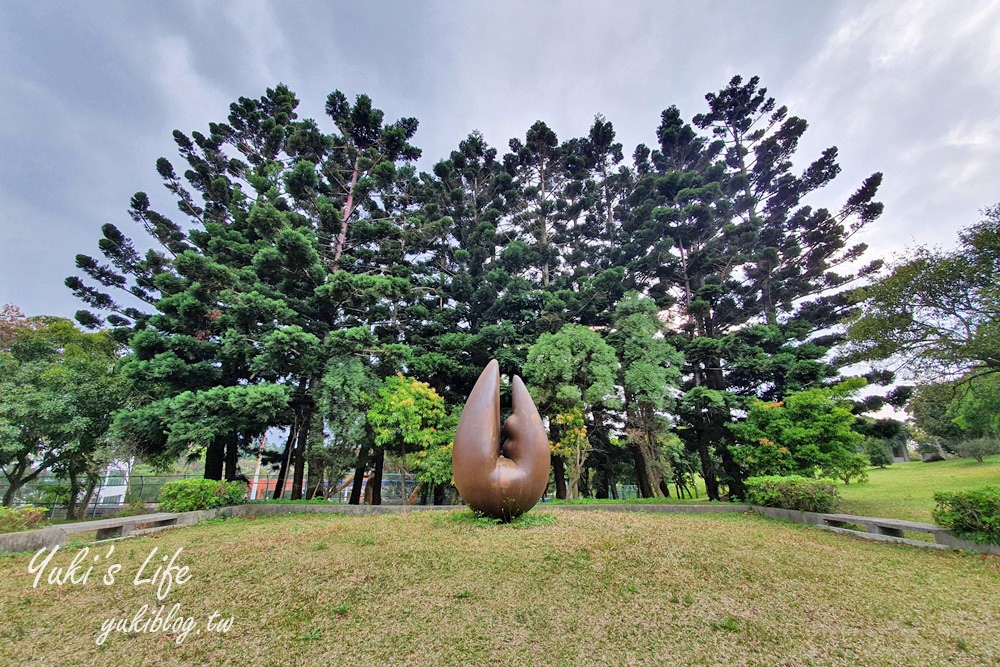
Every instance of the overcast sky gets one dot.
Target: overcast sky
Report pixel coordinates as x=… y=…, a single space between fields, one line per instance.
x=90 y=92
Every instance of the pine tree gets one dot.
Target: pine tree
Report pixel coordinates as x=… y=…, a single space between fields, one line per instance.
x=720 y=230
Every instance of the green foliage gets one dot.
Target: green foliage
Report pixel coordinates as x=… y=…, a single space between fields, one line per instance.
x=572 y=444
x=573 y=367
x=847 y=467
x=650 y=376
x=134 y=508
x=765 y=457
x=199 y=418
x=945 y=414
x=58 y=390
x=571 y=374
x=23 y=518
x=878 y=452
x=939 y=310
x=291 y=235
x=792 y=493
x=977 y=407
x=409 y=418
x=932 y=410
x=313 y=261
x=979 y=448
x=812 y=430
x=971 y=514
x=188 y=495
x=407 y=414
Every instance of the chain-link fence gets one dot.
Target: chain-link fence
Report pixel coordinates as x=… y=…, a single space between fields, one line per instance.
x=115 y=491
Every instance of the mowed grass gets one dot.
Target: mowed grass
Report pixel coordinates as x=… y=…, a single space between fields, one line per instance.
x=582 y=588
x=906 y=490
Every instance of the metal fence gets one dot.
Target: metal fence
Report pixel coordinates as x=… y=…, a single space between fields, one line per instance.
x=115 y=491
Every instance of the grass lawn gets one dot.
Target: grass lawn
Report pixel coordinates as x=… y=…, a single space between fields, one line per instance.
x=434 y=588
x=906 y=490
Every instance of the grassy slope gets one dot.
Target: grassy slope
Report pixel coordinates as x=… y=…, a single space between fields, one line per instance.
x=906 y=490
x=591 y=588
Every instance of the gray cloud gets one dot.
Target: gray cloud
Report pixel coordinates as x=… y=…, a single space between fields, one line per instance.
x=91 y=92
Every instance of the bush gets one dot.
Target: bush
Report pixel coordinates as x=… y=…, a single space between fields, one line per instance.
x=978 y=449
x=23 y=518
x=845 y=466
x=134 y=508
x=878 y=452
x=187 y=495
x=974 y=515
x=793 y=493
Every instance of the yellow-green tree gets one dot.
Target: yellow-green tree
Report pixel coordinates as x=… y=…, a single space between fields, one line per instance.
x=410 y=418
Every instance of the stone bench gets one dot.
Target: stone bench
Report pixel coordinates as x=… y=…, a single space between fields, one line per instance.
x=879 y=526
x=121 y=527
x=106 y=529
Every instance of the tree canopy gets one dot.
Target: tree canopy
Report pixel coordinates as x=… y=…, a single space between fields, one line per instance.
x=309 y=264
x=938 y=311
x=58 y=390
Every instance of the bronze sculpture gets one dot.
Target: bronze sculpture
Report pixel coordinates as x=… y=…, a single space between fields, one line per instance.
x=508 y=484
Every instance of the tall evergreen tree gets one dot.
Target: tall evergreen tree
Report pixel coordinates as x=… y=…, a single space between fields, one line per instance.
x=290 y=234
x=720 y=230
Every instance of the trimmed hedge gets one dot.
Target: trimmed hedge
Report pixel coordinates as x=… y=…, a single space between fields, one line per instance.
x=187 y=495
x=22 y=518
x=792 y=493
x=974 y=515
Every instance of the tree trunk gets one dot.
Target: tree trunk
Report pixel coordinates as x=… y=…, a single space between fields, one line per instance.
x=583 y=485
x=232 y=456
x=74 y=491
x=214 y=458
x=559 y=472
x=375 y=483
x=737 y=489
x=708 y=471
x=602 y=478
x=439 y=491
x=338 y=248
x=8 y=496
x=89 y=495
x=664 y=488
x=279 y=486
x=314 y=479
x=359 y=477
x=641 y=472
x=300 y=454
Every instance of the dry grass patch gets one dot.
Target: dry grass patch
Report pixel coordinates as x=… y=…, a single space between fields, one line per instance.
x=589 y=588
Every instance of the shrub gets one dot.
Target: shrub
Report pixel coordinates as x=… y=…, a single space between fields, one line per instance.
x=792 y=493
x=978 y=449
x=974 y=515
x=22 y=518
x=187 y=495
x=134 y=508
x=878 y=452
x=846 y=466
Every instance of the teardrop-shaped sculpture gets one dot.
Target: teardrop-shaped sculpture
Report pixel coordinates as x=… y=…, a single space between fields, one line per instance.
x=501 y=482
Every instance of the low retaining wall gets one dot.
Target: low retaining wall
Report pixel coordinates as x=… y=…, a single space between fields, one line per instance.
x=33 y=540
